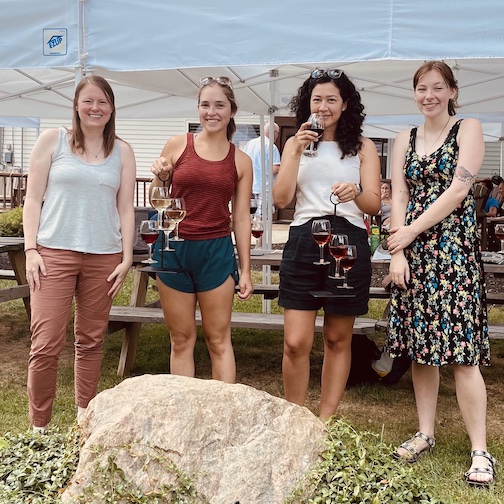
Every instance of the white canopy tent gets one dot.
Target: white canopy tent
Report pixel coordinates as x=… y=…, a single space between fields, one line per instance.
x=154 y=52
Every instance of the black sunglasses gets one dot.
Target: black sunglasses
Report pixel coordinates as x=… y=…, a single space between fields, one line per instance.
x=332 y=73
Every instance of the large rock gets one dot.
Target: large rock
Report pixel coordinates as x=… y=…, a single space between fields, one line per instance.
x=236 y=443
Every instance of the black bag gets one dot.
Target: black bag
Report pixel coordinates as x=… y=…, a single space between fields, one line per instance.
x=364 y=351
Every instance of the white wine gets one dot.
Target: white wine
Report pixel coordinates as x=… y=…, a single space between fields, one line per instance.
x=160 y=203
x=176 y=215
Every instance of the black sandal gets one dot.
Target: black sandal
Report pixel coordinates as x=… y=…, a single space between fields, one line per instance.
x=489 y=469
x=414 y=453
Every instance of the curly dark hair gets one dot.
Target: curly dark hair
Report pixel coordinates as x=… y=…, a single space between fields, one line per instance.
x=349 y=128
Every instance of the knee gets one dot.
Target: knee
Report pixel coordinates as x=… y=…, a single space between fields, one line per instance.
x=296 y=348
x=338 y=342
x=182 y=340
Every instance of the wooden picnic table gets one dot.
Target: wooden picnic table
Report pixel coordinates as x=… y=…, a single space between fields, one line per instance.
x=14 y=246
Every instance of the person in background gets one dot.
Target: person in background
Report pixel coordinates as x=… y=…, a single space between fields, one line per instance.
x=492 y=204
x=346 y=170
x=386 y=203
x=437 y=309
x=78 y=244
x=253 y=149
x=208 y=172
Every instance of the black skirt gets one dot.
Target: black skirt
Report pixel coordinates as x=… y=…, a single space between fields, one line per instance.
x=299 y=276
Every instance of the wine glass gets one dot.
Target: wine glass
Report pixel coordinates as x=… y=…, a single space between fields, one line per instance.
x=338 y=244
x=316 y=124
x=253 y=205
x=499 y=234
x=149 y=233
x=160 y=199
x=176 y=212
x=347 y=262
x=168 y=227
x=321 y=232
x=257 y=231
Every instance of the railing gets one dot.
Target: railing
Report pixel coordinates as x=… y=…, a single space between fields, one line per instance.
x=13 y=190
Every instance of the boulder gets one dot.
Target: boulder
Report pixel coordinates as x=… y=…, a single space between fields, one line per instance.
x=234 y=443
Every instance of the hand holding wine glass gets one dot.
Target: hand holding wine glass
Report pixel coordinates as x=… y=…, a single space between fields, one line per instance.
x=321 y=232
x=316 y=124
x=176 y=211
x=149 y=233
x=347 y=262
x=338 y=244
x=160 y=199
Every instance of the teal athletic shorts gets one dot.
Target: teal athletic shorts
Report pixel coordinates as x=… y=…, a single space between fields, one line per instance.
x=197 y=265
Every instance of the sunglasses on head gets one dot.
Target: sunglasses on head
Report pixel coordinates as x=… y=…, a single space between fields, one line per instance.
x=223 y=81
x=332 y=73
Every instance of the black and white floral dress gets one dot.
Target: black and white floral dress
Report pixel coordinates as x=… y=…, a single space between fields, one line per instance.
x=441 y=318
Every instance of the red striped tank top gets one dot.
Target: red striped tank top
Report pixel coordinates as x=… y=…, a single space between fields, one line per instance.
x=207 y=188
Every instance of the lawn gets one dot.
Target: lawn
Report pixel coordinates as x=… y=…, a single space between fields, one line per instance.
x=388 y=411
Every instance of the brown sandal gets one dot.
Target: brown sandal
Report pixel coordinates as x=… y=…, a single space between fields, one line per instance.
x=415 y=454
x=489 y=469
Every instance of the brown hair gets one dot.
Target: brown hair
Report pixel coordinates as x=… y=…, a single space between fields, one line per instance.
x=109 y=135
x=446 y=74
x=228 y=91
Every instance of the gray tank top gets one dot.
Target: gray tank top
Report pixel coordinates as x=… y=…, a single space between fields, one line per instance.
x=80 y=211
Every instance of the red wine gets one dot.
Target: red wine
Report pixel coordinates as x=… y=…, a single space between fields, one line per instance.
x=257 y=233
x=347 y=262
x=321 y=238
x=319 y=131
x=338 y=251
x=149 y=237
x=499 y=236
x=253 y=210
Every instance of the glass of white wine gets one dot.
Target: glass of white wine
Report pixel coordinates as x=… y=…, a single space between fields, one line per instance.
x=176 y=211
x=160 y=199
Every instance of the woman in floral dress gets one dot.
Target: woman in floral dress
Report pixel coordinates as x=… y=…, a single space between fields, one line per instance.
x=438 y=312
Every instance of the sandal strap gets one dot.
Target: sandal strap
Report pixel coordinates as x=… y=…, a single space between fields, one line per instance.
x=429 y=440
x=483 y=453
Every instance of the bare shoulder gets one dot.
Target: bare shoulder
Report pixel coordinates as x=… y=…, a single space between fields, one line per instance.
x=126 y=148
x=174 y=147
x=242 y=157
x=471 y=125
x=47 y=141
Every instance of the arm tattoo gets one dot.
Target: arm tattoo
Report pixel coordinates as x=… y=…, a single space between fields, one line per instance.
x=405 y=193
x=465 y=176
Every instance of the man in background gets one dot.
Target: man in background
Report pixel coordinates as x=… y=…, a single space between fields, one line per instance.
x=253 y=149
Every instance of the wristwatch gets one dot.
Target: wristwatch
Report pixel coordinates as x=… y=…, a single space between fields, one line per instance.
x=359 y=190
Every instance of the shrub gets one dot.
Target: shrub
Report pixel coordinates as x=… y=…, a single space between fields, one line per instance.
x=11 y=222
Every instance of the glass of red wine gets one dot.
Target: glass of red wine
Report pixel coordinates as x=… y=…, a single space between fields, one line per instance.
x=257 y=231
x=347 y=262
x=499 y=234
x=321 y=232
x=316 y=124
x=253 y=205
x=338 y=244
x=149 y=233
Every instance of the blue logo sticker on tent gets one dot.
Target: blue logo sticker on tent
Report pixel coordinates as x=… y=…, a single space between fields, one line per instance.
x=55 y=41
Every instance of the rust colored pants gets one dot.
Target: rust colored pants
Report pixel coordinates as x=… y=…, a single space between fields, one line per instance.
x=69 y=274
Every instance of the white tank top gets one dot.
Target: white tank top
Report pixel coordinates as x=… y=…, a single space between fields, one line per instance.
x=80 y=211
x=315 y=178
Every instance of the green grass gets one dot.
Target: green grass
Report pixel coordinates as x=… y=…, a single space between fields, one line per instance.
x=388 y=411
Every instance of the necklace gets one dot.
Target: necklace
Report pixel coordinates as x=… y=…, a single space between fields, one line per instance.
x=91 y=152
x=424 y=157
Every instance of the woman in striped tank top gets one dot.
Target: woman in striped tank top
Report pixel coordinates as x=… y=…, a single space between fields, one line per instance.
x=208 y=172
